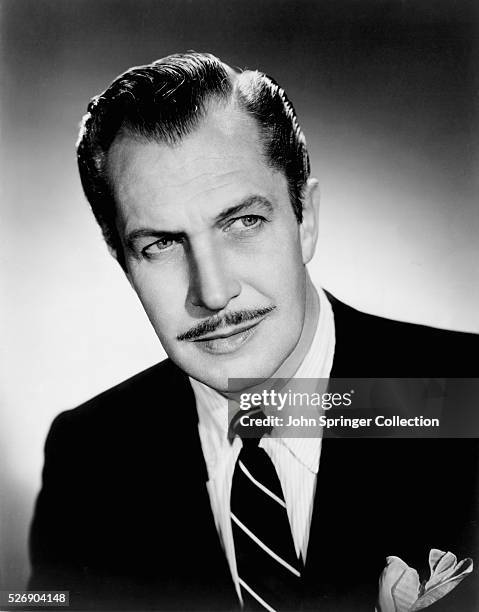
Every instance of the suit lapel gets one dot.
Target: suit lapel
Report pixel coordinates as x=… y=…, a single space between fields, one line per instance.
x=342 y=521
x=199 y=534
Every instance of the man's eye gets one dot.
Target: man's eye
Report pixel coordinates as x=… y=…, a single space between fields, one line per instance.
x=247 y=222
x=159 y=245
x=250 y=220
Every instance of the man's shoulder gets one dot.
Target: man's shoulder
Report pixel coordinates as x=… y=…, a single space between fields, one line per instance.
x=371 y=345
x=357 y=321
x=141 y=397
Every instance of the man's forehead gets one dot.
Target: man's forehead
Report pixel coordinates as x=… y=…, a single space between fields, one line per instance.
x=222 y=160
x=225 y=131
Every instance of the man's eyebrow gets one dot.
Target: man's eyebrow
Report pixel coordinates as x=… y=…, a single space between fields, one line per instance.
x=244 y=206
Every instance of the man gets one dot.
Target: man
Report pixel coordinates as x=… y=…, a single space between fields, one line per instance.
x=199 y=178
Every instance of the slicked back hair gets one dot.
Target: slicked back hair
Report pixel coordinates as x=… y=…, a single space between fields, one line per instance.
x=165 y=101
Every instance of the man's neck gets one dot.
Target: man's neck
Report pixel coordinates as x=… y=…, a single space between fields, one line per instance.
x=311 y=316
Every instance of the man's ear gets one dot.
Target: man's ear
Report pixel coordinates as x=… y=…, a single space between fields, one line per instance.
x=308 y=229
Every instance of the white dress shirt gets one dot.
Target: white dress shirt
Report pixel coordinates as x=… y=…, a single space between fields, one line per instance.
x=296 y=459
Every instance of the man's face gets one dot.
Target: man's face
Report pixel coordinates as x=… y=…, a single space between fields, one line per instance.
x=213 y=248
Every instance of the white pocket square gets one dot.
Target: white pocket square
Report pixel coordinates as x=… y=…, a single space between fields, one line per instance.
x=400 y=589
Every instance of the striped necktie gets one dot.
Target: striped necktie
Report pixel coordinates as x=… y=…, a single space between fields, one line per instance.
x=268 y=568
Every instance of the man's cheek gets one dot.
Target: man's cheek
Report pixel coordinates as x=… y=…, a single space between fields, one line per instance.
x=162 y=310
x=165 y=315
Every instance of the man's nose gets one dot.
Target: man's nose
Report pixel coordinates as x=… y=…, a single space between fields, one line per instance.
x=212 y=281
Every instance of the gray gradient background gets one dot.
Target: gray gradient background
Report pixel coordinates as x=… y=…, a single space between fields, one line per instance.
x=386 y=93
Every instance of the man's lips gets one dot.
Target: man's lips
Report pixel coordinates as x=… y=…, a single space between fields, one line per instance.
x=222 y=327
x=228 y=340
x=227 y=333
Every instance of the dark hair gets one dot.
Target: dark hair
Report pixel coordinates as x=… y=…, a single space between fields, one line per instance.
x=166 y=100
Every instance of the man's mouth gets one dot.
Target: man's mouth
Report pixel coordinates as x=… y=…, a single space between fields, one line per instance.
x=228 y=332
x=228 y=340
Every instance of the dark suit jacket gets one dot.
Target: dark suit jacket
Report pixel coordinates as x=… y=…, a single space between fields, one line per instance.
x=123 y=519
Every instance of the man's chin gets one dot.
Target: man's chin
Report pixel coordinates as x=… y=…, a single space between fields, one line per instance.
x=233 y=378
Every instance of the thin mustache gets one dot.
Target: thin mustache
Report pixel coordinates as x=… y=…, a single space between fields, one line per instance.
x=230 y=319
